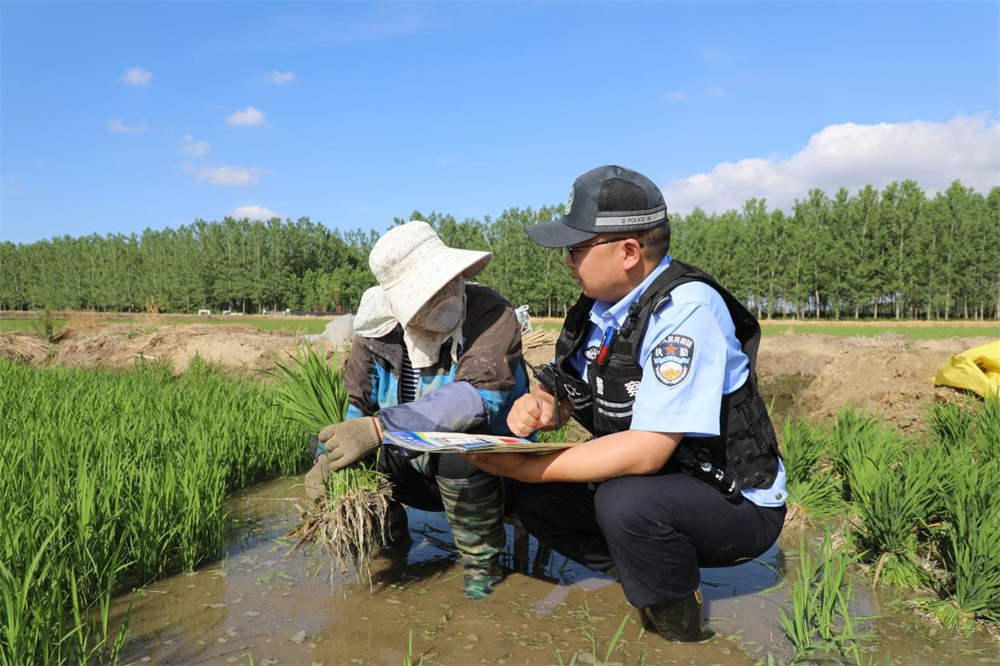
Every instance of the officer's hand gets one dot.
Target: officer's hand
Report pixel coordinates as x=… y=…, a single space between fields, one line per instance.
x=345 y=443
x=531 y=412
x=536 y=411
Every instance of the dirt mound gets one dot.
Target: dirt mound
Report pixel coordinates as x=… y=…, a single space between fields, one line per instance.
x=890 y=375
x=234 y=347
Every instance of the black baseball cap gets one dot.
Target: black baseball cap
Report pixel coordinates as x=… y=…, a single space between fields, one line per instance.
x=607 y=199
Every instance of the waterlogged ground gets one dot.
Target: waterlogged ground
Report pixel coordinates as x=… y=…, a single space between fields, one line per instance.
x=258 y=606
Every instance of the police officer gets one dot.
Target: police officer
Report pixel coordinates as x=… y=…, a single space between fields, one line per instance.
x=657 y=361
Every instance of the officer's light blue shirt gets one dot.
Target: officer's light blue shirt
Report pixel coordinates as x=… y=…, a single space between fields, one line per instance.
x=683 y=374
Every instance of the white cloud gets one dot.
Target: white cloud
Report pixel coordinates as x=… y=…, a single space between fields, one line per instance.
x=850 y=155
x=227 y=175
x=248 y=117
x=116 y=126
x=192 y=147
x=676 y=96
x=253 y=213
x=279 y=78
x=137 y=76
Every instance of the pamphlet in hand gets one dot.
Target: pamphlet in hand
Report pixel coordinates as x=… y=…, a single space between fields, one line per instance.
x=439 y=442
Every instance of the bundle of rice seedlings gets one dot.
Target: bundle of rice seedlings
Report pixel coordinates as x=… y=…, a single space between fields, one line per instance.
x=349 y=524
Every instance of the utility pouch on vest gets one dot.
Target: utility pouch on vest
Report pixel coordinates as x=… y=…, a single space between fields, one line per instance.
x=752 y=444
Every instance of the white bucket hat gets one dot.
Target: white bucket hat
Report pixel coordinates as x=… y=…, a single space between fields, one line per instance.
x=412 y=264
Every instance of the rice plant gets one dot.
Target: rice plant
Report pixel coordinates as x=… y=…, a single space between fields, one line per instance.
x=312 y=394
x=986 y=429
x=812 y=483
x=586 y=626
x=859 y=442
x=350 y=523
x=820 y=622
x=949 y=423
x=893 y=502
x=972 y=549
x=110 y=479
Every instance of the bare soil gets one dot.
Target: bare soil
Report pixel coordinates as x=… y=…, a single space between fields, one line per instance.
x=890 y=375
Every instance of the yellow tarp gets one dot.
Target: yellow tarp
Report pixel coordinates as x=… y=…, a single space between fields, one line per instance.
x=976 y=370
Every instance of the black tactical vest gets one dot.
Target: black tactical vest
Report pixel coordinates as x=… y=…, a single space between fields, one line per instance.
x=747 y=447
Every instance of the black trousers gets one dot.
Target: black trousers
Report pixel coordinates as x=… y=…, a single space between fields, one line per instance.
x=656 y=530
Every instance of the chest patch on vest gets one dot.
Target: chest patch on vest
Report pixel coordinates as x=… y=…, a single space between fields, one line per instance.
x=591 y=353
x=672 y=359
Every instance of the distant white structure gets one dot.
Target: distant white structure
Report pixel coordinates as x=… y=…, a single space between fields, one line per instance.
x=205 y=312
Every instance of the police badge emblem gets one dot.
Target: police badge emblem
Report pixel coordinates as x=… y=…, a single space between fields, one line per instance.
x=591 y=353
x=672 y=359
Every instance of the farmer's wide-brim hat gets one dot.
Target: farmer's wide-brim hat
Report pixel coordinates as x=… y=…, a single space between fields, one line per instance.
x=412 y=264
x=608 y=199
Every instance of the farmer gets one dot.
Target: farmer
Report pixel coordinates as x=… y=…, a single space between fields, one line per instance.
x=432 y=352
x=657 y=360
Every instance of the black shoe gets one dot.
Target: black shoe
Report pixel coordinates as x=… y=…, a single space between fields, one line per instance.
x=681 y=621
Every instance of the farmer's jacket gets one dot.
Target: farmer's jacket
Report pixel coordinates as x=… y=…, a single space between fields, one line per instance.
x=473 y=395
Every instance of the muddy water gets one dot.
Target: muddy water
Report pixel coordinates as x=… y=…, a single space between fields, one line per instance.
x=257 y=606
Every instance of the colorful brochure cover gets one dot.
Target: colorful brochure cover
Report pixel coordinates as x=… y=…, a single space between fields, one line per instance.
x=437 y=442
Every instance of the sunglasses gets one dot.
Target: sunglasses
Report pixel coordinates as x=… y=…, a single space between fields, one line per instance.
x=571 y=251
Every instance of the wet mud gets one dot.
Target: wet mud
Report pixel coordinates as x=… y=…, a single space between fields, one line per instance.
x=257 y=606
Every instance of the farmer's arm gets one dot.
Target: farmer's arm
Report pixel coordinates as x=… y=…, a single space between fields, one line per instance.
x=630 y=452
x=487 y=375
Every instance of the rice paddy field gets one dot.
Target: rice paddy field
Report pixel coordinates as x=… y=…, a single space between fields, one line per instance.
x=136 y=491
x=112 y=479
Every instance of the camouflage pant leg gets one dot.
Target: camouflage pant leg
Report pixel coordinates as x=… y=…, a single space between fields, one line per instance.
x=474 y=508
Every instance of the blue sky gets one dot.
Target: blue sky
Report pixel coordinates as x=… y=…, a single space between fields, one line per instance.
x=116 y=117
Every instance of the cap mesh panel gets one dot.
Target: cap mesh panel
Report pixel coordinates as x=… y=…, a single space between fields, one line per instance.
x=621 y=196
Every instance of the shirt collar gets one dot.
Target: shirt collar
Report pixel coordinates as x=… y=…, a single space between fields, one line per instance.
x=604 y=313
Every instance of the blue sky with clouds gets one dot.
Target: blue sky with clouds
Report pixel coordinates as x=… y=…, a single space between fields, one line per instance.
x=116 y=116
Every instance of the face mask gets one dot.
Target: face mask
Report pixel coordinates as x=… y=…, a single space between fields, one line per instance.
x=444 y=311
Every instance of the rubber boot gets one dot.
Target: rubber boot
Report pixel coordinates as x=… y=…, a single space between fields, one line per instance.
x=396 y=527
x=681 y=621
x=474 y=508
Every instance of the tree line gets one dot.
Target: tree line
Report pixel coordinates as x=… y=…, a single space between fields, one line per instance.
x=876 y=253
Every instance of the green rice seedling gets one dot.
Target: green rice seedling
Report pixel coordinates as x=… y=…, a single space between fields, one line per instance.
x=112 y=478
x=859 y=442
x=820 y=622
x=587 y=628
x=312 y=393
x=812 y=483
x=408 y=657
x=949 y=423
x=986 y=428
x=350 y=524
x=972 y=547
x=893 y=502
